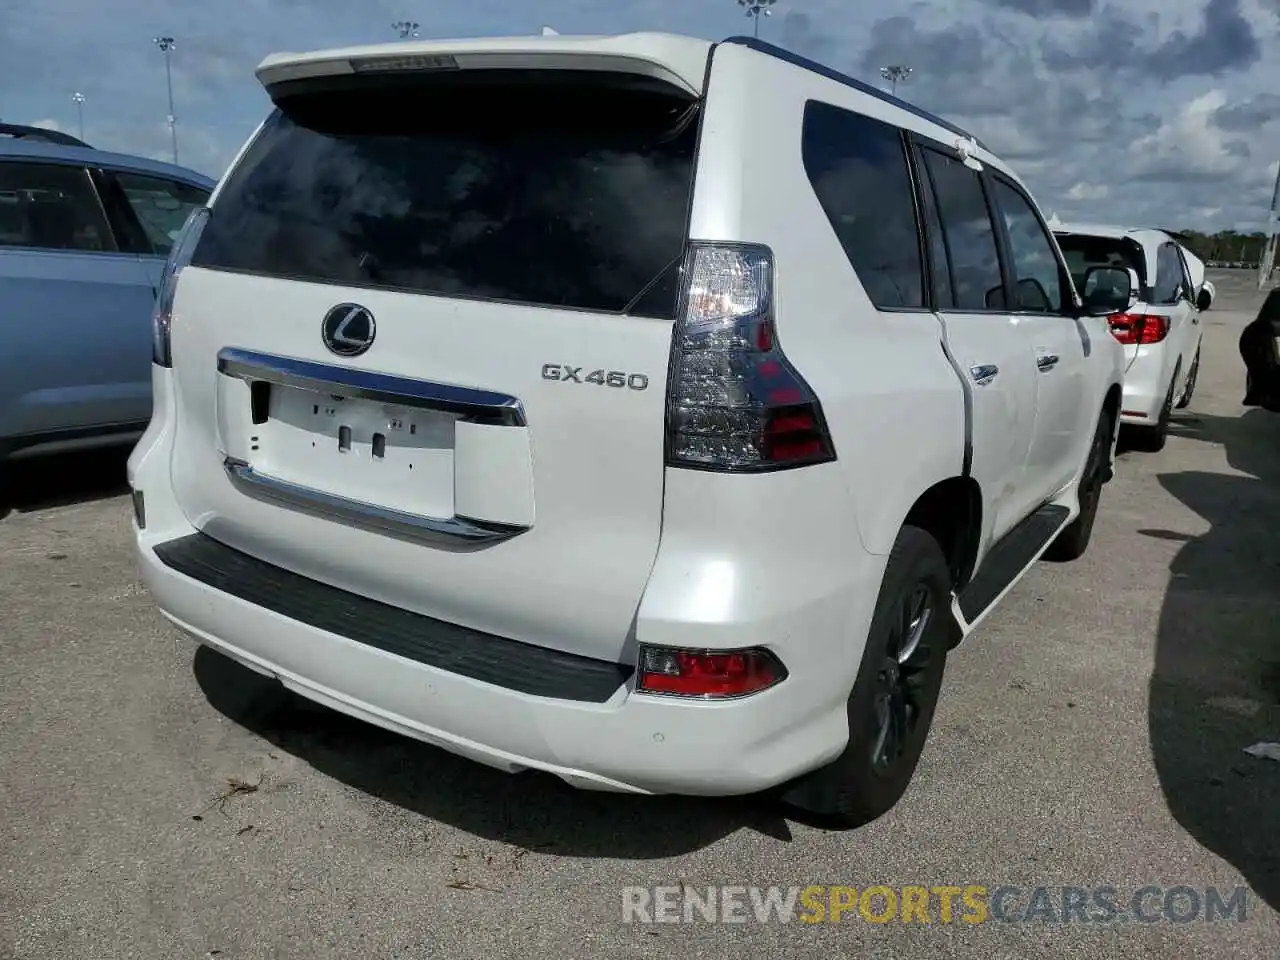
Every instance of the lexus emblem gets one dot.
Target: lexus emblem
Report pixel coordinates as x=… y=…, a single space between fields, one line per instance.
x=348 y=329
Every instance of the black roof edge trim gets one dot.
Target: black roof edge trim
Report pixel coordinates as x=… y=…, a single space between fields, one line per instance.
x=814 y=66
x=23 y=132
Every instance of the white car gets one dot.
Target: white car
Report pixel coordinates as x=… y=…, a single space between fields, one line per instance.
x=598 y=405
x=1161 y=333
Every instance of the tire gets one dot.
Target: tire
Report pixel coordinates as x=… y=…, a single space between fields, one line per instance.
x=891 y=706
x=1192 y=375
x=1152 y=439
x=1074 y=539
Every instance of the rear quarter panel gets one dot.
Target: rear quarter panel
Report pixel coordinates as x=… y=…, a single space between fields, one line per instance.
x=894 y=404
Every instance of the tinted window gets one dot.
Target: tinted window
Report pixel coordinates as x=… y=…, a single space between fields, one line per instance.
x=858 y=169
x=1082 y=251
x=545 y=188
x=1037 y=275
x=944 y=297
x=1168 y=275
x=160 y=205
x=970 y=236
x=50 y=206
x=1188 y=284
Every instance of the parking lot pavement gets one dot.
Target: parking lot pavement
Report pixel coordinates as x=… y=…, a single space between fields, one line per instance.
x=161 y=802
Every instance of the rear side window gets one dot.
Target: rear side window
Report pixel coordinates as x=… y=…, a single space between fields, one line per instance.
x=969 y=233
x=944 y=297
x=160 y=205
x=1169 y=276
x=51 y=206
x=1082 y=251
x=549 y=188
x=1037 y=275
x=1188 y=283
x=858 y=169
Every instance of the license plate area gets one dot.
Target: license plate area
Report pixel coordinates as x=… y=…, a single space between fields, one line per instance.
x=391 y=455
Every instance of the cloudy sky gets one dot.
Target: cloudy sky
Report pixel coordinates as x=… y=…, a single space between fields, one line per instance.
x=1164 y=112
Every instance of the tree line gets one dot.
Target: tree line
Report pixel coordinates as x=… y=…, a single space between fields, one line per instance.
x=1225 y=245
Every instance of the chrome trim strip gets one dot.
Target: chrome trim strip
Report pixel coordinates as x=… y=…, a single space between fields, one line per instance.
x=480 y=406
x=454 y=529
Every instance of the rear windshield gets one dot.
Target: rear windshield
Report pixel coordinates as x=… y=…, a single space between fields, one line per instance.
x=549 y=188
x=1082 y=251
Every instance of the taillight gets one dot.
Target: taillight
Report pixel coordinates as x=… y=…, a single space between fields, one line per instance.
x=707 y=674
x=734 y=402
x=179 y=256
x=1134 y=329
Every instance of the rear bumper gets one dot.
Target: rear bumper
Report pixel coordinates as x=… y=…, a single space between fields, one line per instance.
x=1146 y=383
x=813 y=617
x=630 y=743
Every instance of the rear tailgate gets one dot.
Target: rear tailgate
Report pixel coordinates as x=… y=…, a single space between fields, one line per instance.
x=421 y=350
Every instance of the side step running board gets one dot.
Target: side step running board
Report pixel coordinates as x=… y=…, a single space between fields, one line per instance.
x=1016 y=551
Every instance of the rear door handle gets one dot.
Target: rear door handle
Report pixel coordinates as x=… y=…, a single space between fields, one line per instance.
x=983 y=373
x=1046 y=361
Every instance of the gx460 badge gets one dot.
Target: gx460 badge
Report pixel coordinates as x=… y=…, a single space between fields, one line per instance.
x=617 y=379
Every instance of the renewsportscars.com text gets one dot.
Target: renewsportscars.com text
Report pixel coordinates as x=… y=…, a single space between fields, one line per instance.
x=945 y=904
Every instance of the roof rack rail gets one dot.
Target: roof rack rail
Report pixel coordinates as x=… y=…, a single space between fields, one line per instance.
x=825 y=71
x=21 y=132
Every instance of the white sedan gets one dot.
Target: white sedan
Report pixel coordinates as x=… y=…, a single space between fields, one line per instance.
x=1161 y=333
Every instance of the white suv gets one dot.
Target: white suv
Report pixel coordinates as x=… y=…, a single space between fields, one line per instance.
x=652 y=412
x=1161 y=333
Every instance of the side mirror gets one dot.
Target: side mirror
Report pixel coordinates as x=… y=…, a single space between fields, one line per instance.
x=1108 y=290
x=1032 y=295
x=1205 y=299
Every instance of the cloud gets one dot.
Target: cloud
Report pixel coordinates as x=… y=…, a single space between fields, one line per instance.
x=1189 y=146
x=1122 y=41
x=800 y=35
x=1225 y=41
x=1088 y=191
x=1048 y=8
x=1099 y=105
x=1249 y=115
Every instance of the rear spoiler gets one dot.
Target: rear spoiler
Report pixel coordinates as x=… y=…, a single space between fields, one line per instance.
x=679 y=61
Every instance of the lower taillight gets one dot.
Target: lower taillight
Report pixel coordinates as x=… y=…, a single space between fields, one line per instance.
x=1135 y=329
x=707 y=674
x=735 y=403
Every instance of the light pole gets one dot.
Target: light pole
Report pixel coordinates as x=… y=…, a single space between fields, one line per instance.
x=1268 y=261
x=78 y=99
x=755 y=10
x=893 y=74
x=406 y=28
x=166 y=45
